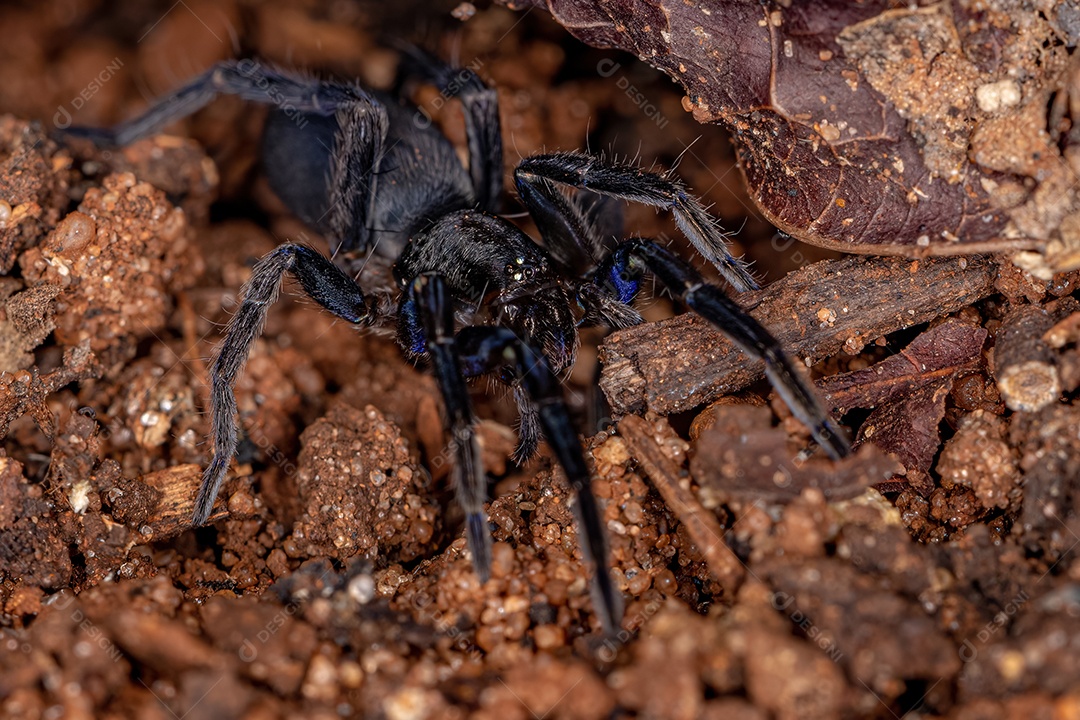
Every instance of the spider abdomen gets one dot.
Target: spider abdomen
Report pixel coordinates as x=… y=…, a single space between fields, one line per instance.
x=420 y=177
x=296 y=153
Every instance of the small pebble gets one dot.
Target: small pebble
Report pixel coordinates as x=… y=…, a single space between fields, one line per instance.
x=639 y=583
x=362 y=589
x=665 y=582
x=463 y=11
x=548 y=637
x=502 y=560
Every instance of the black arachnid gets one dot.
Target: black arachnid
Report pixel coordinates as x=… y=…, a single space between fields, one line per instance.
x=354 y=165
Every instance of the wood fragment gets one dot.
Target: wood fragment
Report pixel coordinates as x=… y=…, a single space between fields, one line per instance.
x=161 y=643
x=815 y=312
x=1066 y=329
x=1064 y=337
x=1024 y=365
x=172 y=515
x=702 y=526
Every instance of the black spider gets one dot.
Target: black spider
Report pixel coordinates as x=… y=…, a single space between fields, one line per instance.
x=357 y=166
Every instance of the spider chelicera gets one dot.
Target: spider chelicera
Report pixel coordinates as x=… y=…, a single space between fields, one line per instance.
x=355 y=165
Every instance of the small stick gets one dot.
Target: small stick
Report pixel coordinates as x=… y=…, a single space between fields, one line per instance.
x=172 y=515
x=815 y=312
x=702 y=526
x=1024 y=365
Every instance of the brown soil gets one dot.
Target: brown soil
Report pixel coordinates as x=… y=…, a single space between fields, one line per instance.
x=334 y=582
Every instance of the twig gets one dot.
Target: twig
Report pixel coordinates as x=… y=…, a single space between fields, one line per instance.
x=817 y=311
x=1024 y=366
x=702 y=526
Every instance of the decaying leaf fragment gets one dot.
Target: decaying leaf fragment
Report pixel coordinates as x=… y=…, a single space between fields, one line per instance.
x=879 y=127
x=936 y=354
x=907 y=393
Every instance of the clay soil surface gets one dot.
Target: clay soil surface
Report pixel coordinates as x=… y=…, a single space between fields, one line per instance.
x=933 y=574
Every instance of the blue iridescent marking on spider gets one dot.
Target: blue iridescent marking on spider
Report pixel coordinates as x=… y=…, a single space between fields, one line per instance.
x=472 y=366
x=625 y=288
x=412 y=331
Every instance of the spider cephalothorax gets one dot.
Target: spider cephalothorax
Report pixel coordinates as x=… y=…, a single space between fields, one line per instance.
x=357 y=166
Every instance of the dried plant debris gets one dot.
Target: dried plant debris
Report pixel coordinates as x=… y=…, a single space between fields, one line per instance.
x=928 y=128
x=677 y=364
x=26 y=319
x=1024 y=366
x=742 y=456
x=702 y=526
x=941 y=352
x=25 y=391
x=907 y=394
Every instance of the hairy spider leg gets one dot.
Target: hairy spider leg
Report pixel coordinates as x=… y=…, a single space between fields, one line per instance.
x=485 y=348
x=480 y=104
x=619 y=276
x=626 y=182
x=578 y=230
x=326 y=174
x=571 y=238
x=563 y=224
x=324 y=283
x=607 y=297
x=485 y=260
x=426 y=323
x=528 y=425
x=246 y=79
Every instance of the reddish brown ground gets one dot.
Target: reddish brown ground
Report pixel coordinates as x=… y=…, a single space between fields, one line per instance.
x=334 y=580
